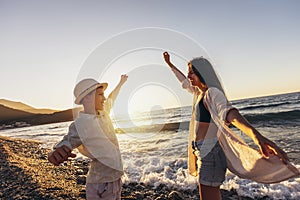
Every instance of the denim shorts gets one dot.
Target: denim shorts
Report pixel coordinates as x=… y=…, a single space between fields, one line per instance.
x=211 y=162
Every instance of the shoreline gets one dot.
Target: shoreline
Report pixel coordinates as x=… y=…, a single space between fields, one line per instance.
x=27 y=174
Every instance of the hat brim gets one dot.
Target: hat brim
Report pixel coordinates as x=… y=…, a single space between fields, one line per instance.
x=87 y=91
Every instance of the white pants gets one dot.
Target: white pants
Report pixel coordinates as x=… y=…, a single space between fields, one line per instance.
x=104 y=191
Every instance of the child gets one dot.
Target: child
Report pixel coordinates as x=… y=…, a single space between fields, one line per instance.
x=92 y=133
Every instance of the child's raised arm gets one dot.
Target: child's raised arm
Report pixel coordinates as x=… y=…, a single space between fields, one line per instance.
x=113 y=95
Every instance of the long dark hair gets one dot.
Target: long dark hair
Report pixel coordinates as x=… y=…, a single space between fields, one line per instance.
x=206 y=73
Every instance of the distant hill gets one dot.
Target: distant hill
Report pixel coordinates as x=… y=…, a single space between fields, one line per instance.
x=10 y=116
x=61 y=116
x=24 y=107
x=7 y=113
x=12 y=112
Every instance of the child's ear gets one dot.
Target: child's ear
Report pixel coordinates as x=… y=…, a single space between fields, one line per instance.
x=90 y=98
x=87 y=99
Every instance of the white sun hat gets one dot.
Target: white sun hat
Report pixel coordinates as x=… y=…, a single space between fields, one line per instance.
x=86 y=86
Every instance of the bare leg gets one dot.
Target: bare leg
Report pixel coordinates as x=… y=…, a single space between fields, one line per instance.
x=209 y=192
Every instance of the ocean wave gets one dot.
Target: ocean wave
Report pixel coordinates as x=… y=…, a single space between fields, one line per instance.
x=265 y=106
x=279 y=116
x=155 y=128
x=253 y=118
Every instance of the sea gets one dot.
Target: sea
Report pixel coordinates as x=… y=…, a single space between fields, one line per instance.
x=159 y=155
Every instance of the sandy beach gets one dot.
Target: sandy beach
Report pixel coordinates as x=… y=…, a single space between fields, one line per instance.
x=27 y=174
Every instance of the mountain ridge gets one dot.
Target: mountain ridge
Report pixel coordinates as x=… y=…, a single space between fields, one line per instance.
x=24 y=107
x=11 y=116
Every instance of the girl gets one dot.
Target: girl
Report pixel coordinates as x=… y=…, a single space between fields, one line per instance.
x=211 y=114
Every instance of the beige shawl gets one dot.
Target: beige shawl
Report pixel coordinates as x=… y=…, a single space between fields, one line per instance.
x=242 y=160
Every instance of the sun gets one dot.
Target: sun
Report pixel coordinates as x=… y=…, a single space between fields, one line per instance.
x=151 y=97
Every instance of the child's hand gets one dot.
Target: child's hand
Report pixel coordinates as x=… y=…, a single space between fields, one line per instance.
x=124 y=78
x=60 y=155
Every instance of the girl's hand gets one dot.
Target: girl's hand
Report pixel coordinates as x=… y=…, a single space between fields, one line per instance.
x=268 y=147
x=166 y=57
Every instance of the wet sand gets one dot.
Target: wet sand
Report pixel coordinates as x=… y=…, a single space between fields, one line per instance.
x=25 y=173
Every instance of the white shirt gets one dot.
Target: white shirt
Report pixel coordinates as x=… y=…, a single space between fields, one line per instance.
x=242 y=160
x=94 y=137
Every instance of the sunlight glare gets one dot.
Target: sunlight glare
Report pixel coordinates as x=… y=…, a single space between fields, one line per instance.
x=149 y=98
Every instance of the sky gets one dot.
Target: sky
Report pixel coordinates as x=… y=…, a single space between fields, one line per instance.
x=47 y=46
